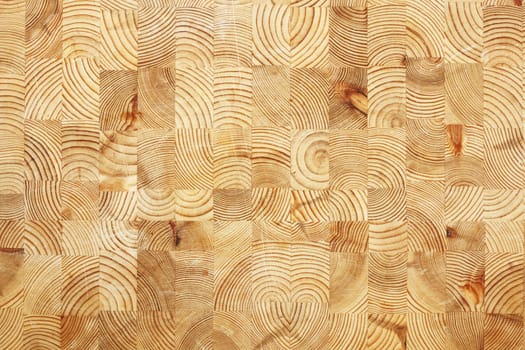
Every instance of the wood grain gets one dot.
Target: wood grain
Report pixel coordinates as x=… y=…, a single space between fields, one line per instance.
x=262 y=174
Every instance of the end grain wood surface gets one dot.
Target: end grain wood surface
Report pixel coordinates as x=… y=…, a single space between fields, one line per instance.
x=261 y=174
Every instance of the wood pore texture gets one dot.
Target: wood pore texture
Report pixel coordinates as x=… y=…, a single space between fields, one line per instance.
x=261 y=174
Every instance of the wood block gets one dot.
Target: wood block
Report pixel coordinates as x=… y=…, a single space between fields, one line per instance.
x=155 y=51
x=464 y=32
x=348 y=275
x=387 y=281
x=79 y=330
x=41 y=331
x=390 y=330
x=117 y=330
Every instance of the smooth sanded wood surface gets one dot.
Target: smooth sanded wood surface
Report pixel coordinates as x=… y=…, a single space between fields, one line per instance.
x=258 y=174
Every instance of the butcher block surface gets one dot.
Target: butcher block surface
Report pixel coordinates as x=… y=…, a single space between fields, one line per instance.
x=262 y=174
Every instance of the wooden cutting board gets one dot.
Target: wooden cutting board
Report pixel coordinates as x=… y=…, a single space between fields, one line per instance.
x=261 y=174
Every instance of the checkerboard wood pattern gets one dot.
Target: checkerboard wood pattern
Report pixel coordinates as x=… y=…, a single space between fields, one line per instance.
x=261 y=174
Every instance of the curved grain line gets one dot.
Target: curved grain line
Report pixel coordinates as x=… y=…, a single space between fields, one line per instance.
x=425 y=162
x=463 y=102
x=13 y=273
x=43 y=84
x=310 y=160
x=232 y=204
x=425 y=27
x=348 y=331
x=80 y=151
x=504 y=236
x=426 y=283
x=12 y=206
x=232 y=158
x=118 y=100
x=464 y=28
x=429 y=330
x=12 y=233
x=80 y=238
x=232 y=98
x=79 y=331
x=504 y=285
x=193 y=205
x=232 y=331
x=308 y=98
x=79 y=200
x=348 y=36
x=41 y=332
x=309 y=36
x=156 y=151
x=502 y=97
x=426 y=236
x=117 y=330
x=194 y=100
x=118 y=281
x=386 y=97
x=194 y=159
x=387 y=29
x=503 y=205
x=271 y=91
x=502 y=331
x=387 y=281
x=80 y=285
x=43 y=29
x=270 y=157
x=310 y=206
x=233 y=36
x=42 y=199
x=156 y=281
x=502 y=37
x=503 y=158
x=156 y=329
x=270 y=204
x=42 y=280
x=156 y=38
x=117 y=235
x=196 y=333
x=388 y=237
x=117 y=205
x=119 y=39
x=466 y=280
x=425 y=201
x=271 y=37
x=230 y=288
x=464 y=204
x=194 y=37
x=386 y=159
x=309 y=281
x=81 y=89
x=12 y=41
x=425 y=80
x=348 y=283
x=387 y=204
x=11 y=322
x=347 y=205
x=156 y=98
x=81 y=29
x=118 y=161
x=270 y=272
x=42 y=237
x=14 y=6
x=387 y=331
x=42 y=150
